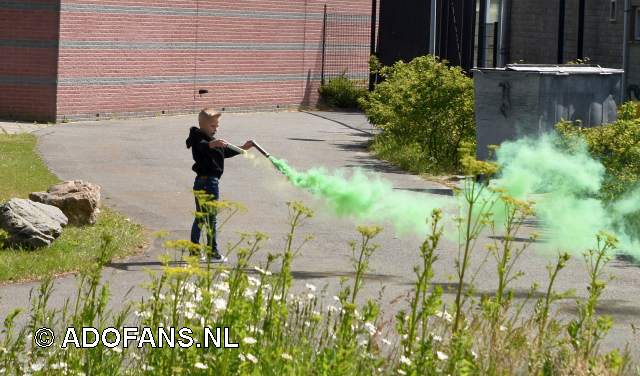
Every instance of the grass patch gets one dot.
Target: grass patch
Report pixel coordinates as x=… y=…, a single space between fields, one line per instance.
x=407 y=156
x=21 y=168
x=23 y=172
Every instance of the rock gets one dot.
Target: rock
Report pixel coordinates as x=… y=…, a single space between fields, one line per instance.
x=78 y=200
x=31 y=224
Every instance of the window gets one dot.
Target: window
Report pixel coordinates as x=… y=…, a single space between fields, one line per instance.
x=612 y=10
x=636 y=23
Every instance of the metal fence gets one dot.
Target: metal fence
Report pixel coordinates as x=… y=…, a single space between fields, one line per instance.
x=346 y=46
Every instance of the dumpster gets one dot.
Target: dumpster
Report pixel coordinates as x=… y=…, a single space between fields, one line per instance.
x=528 y=100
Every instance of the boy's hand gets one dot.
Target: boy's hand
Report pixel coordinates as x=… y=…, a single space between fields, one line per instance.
x=217 y=143
x=247 y=145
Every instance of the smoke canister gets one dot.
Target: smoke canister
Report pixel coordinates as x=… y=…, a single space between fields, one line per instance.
x=235 y=148
x=260 y=149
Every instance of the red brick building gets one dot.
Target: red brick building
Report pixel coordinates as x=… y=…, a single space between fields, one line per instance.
x=88 y=59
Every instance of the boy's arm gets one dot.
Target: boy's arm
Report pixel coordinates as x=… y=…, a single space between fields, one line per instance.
x=232 y=152
x=247 y=145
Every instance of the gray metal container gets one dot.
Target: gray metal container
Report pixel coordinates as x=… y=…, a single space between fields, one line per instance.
x=528 y=100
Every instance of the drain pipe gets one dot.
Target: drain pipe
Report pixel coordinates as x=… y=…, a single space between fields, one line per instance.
x=482 y=34
x=561 y=16
x=503 y=32
x=433 y=27
x=625 y=49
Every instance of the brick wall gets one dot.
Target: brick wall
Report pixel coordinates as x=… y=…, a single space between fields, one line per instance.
x=128 y=57
x=634 y=57
x=534 y=30
x=602 y=37
x=28 y=54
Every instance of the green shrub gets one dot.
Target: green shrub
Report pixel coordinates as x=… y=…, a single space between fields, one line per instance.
x=342 y=92
x=286 y=329
x=425 y=111
x=616 y=145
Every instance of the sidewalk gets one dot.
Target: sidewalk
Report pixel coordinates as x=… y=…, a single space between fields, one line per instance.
x=14 y=127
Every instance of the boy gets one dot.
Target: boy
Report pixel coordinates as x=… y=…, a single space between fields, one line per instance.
x=209 y=154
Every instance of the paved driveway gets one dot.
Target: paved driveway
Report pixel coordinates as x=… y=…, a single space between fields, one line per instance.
x=144 y=169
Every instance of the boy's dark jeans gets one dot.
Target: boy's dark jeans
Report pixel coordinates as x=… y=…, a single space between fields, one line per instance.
x=209 y=185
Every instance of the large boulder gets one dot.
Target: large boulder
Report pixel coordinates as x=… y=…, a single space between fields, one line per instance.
x=31 y=224
x=78 y=200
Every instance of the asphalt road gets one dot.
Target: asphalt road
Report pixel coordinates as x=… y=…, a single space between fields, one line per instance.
x=144 y=170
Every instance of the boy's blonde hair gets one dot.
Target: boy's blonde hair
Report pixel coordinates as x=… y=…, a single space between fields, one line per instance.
x=207 y=114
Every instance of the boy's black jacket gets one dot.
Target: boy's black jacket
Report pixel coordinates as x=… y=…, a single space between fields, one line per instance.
x=209 y=161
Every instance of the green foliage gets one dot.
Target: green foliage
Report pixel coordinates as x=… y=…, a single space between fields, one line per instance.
x=21 y=169
x=425 y=111
x=616 y=145
x=74 y=250
x=21 y=172
x=299 y=331
x=342 y=92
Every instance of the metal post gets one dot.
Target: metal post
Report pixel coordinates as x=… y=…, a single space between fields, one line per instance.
x=468 y=34
x=496 y=27
x=433 y=27
x=372 y=48
x=625 y=49
x=581 y=29
x=561 y=32
x=324 y=44
x=482 y=35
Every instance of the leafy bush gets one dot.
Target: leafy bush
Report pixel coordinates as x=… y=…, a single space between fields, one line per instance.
x=616 y=145
x=287 y=329
x=342 y=92
x=425 y=110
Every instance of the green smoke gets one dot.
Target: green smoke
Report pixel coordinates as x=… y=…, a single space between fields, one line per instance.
x=359 y=196
x=566 y=187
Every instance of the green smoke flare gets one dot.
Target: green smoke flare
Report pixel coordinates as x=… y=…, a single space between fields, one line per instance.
x=361 y=197
x=566 y=187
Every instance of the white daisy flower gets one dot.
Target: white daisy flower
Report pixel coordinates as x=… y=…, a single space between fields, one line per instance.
x=199 y=365
x=219 y=303
x=35 y=367
x=370 y=328
x=286 y=356
x=252 y=358
x=60 y=365
x=444 y=315
x=441 y=355
x=405 y=360
x=249 y=340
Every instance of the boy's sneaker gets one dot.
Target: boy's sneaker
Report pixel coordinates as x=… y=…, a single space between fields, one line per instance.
x=214 y=257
